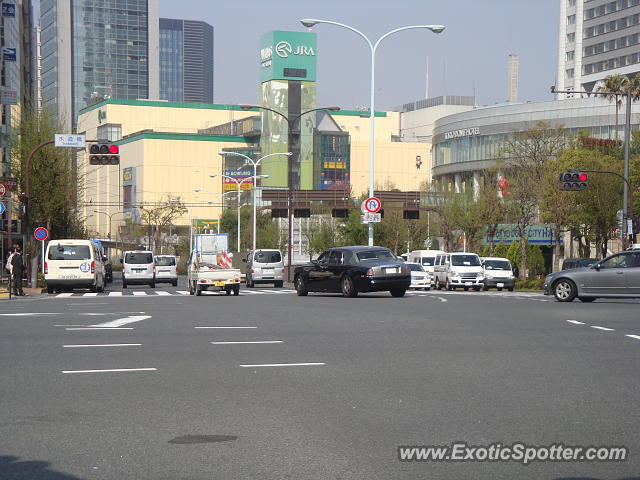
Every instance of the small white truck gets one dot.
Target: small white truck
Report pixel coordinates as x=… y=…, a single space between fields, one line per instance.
x=203 y=270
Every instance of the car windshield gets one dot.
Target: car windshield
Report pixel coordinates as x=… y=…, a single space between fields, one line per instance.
x=138 y=258
x=267 y=257
x=165 y=261
x=497 y=265
x=465 y=261
x=428 y=261
x=69 y=252
x=375 y=255
x=414 y=267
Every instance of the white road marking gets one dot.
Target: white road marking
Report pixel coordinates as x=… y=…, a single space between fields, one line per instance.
x=122 y=321
x=575 y=322
x=637 y=337
x=93 y=314
x=64 y=295
x=69 y=325
x=255 y=292
x=283 y=365
x=140 y=294
x=238 y=343
x=104 y=345
x=100 y=328
x=182 y=292
x=163 y=293
x=112 y=370
x=603 y=328
x=442 y=299
x=92 y=294
x=115 y=294
x=27 y=314
x=225 y=327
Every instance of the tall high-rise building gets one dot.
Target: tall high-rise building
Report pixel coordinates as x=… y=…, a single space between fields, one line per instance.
x=598 y=38
x=94 y=49
x=512 y=80
x=186 y=61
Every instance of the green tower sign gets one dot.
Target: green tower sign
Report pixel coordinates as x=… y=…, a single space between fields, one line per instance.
x=288 y=56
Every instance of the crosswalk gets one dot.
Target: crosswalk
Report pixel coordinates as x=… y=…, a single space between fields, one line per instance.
x=165 y=293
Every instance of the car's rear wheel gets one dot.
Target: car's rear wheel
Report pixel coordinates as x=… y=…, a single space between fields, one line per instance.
x=564 y=290
x=93 y=288
x=50 y=290
x=499 y=289
x=191 y=288
x=174 y=283
x=485 y=288
x=476 y=289
x=198 y=289
x=399 y=292
x=348 y=290
x=152 y=284
x=586 y=299
x=301 y=286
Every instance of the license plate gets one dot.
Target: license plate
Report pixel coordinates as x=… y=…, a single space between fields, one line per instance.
x=68 y=276
x=468 y=283
x=218 y=284
x=267 y=272
x=500 y=285
x=391 y=270
x=137 y=270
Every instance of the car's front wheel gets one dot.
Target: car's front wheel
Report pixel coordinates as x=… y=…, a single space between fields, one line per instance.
x=564 y=290
x=348 y=290
x=398 y=292
x=301 y=286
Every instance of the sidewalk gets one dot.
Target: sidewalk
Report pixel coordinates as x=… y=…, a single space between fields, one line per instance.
x=32 y=292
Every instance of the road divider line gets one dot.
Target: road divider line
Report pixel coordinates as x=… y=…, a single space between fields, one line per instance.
x=637 y=337
x=116 y=370
x=575 y=322
x=182 y=292
x=122 y=321
x=101 y=328
x=91 y=294
x=64 y=295
x=163 y=293
x=605 y=329
x=104 y=345
x=283 y=365
x=115 y=294
x=224 y=327
x=140 y=294
x=243 y=342
x=27 y=314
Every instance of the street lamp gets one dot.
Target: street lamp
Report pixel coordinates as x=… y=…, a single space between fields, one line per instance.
x=238 y=185
x=310 y=22
x=290 y=124
x=221 y=204
x=255 y=164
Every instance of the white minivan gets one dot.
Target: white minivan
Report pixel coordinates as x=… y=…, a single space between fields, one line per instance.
x=73 y=264
x=426 y=258
x=462 y=270
x=138 y=268
x=166 y=269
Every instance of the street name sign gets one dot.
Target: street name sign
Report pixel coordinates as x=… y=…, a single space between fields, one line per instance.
x=70 y=140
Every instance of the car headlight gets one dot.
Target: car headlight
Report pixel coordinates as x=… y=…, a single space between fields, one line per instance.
x=481 y=276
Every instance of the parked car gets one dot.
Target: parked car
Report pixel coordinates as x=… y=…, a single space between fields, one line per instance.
x=426 y=258
x=166 y=269
x=265 y=266
x=498 y=273
x=419 y=277
x=351 y=270
x=440 y=270
x=616 y=276
x=461 y=270
x=569 y=263
x=138 y=268
x=73 y=264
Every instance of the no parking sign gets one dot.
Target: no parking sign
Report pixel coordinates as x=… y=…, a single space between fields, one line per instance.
x=41 y=233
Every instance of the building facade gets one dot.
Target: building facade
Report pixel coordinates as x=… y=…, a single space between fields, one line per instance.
x=95 y=49
x=597 y=38
x=186 y=61
x=417 y=118
x=465 y=144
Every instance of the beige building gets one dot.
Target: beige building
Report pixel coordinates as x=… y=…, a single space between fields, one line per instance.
x=163 y=157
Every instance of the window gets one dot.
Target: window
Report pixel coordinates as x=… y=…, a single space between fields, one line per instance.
x=571 y=37
x=569 y=55
x=465 y=261
x=572 y=3
x=335 y=258
x=414 y=267
x=427 y=261
x=497 y=265
x=138 y=258
x=323 y=259
x=70 y=252
x=379 y=254
x=569 y=73
x=165 y=261
x=571 y=19
x=267 y=257
x=617 y=261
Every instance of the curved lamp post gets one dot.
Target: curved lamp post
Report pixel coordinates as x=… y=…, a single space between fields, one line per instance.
x=310 y=22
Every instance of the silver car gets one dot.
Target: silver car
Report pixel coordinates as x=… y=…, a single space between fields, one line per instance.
x=616 y=276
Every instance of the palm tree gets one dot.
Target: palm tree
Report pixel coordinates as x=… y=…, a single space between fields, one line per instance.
x=613 y=88
x=633 y=86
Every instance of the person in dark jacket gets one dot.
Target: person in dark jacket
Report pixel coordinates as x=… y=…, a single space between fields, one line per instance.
x=17 y=265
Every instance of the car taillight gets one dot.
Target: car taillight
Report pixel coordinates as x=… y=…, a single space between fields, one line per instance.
x=122 y=268
x=93 y=267
x=370 y=272
x=46 y=268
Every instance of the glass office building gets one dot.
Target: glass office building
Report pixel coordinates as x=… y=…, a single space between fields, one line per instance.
x=186 y=61
x=92 y=49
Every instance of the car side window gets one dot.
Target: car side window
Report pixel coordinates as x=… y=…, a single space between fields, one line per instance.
x=437 y=262
x=323 y=259
x=617 y=261
x=335 y=258
x=634 y=260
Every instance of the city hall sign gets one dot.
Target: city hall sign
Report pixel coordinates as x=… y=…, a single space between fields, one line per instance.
x=463 y=132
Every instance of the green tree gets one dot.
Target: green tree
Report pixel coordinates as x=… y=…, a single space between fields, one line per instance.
x=466 y=217
x=501 y=250
x=352 y=231
x=320 y=234
x=490 y=207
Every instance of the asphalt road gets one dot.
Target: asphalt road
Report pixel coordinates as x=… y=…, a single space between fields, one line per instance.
x=428 y=369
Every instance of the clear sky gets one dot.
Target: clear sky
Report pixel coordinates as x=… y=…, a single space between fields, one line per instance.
x=469 y=56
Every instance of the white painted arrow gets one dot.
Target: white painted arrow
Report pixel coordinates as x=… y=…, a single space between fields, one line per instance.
x=122 y=321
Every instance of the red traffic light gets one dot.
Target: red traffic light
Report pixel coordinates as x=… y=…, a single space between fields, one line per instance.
x=583 y=177
x=113 y=149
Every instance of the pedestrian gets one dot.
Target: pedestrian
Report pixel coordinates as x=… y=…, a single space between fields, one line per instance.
x=516 y=271
x=17 y=269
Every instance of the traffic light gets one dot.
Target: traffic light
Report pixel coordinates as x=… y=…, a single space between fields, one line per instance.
x=573 y=180
x=104 y=154
x=411 y=214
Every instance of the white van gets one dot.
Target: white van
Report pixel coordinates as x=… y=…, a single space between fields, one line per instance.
x=498 y=273
x=265 y=266
x=166 y=269
x=73 y=264
x=426 y=258
x=462 y=270
x=138 y=268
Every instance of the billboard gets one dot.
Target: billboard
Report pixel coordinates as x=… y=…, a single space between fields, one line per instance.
x=537 y=234
x=9 y=54
x=8 y=10
x=244 y=176
x=288 y=56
